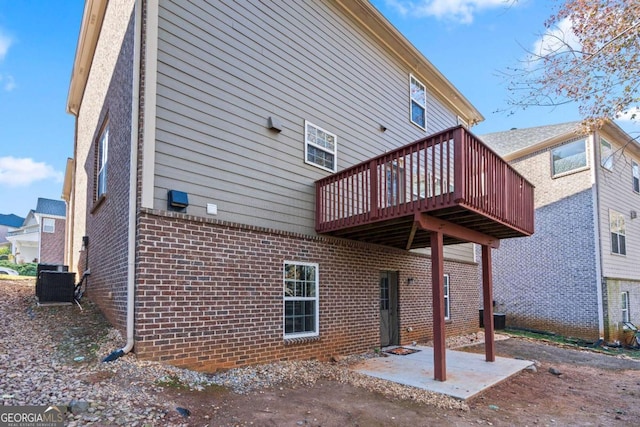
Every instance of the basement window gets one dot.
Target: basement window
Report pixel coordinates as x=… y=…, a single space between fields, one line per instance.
x=301 y=304
x=447 y=300
x=625 y=307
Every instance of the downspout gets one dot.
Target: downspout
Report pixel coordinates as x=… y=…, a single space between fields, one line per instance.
x=133 y=187
x=596 y=232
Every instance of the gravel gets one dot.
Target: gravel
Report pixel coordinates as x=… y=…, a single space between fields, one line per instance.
x=51 y=355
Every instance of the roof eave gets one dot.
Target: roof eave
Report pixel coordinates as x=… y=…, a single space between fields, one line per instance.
x=373 y=21
x=68 y=179
x=609 y=128
x=612 y=128
x=92 y=18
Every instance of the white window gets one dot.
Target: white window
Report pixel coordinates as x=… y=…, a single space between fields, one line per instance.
x=418 y=102
x=616 y=222
x=569 y=157
x=48 y=225
x=103 y=150
x=625 y=307
x=635 y=173
x=447 y=300
x=301 y=304
x=320 y=147
x=606 y=154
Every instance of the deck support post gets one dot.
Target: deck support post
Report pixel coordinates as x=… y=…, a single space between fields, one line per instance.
x=487 y=297
x=437 y=291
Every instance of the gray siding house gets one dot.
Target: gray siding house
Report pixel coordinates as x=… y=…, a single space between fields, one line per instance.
x=8 y=222
x=41 y=236
x=202 y=130
x=578 y=275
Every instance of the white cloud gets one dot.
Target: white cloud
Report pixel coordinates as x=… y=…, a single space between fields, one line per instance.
x=5 y=43
x=7 y=82
x=558 y=39
x=454 y=10
x=15 y=172
x=631 y=115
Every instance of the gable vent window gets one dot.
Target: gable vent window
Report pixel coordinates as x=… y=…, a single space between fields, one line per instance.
x=320 y=147
x=418 y=103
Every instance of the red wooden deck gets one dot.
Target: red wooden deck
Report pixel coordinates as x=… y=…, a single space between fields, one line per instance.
x=450 y=177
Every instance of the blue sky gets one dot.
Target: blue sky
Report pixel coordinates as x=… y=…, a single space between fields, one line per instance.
x=469 y=41
x=37 y=47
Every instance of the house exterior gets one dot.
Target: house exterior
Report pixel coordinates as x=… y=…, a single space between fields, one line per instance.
x=41 y=236
x=8 y=223
x=581 y=275
x=214 y=161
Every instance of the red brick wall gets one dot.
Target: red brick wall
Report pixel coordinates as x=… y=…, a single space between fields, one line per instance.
x=209 y=295
x=52 y=244
x=107 y=219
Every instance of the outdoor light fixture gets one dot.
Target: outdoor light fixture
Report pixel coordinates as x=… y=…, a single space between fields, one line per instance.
x=410 y=281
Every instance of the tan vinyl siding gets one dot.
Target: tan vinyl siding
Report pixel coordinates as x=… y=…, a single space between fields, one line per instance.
x=616 y=193
x=224 y=68
x=461 y=252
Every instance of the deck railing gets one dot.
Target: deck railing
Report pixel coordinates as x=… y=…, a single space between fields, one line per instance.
x=451 y=168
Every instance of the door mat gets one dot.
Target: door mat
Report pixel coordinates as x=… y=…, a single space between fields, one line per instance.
x=401 y=351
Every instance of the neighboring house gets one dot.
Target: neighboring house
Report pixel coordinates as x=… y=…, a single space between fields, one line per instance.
x=8 y=223
x=578 y=275
x=41 y=237
x=213 y=184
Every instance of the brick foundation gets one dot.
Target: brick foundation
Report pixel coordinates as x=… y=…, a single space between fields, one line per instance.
x=210 y=295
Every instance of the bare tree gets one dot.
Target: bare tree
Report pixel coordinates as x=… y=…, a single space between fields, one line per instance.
x=590 y=54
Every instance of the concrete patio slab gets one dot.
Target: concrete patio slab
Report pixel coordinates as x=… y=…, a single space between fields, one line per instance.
x=467 y=373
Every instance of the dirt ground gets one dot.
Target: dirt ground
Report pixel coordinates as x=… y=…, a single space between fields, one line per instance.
x=592 y=390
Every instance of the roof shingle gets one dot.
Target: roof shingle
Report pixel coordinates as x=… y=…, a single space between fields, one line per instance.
x=513 y=140
x=51 y=207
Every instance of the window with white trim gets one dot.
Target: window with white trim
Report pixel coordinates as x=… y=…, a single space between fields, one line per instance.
x=625 y=306
x=103 y=157
x=301 y=304
x=447 y=299
x=48 y=225
x=320 y=147
x=635 y=176
x=616 y=224
x=569 y=157
x=418 y=93
x=606 y=154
